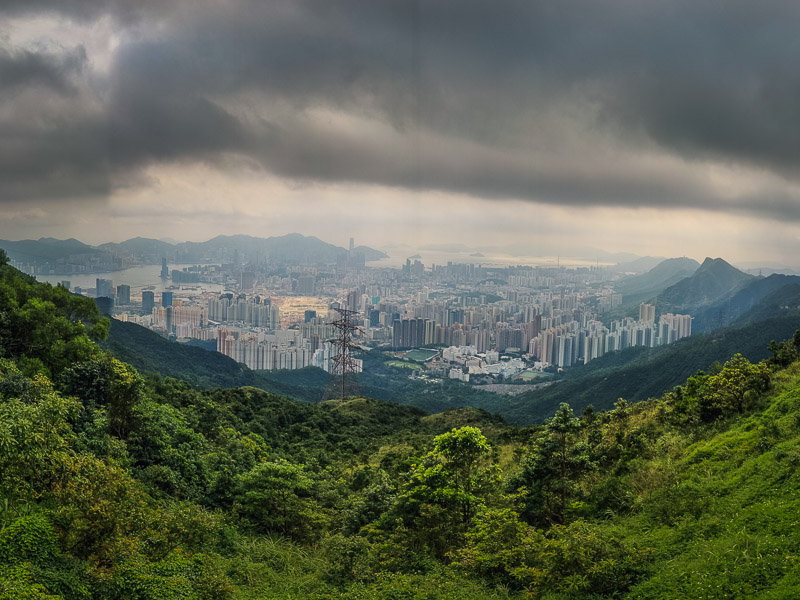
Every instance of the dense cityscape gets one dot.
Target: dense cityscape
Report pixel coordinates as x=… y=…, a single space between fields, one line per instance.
x=470 y=322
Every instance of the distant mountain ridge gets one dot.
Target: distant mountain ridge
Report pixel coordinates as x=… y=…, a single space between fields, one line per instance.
x=292 y=248
x=784 y=302
x=46 y=249
x=662 y=276
x=139 y=245
x=712 y=281
x=639 y=266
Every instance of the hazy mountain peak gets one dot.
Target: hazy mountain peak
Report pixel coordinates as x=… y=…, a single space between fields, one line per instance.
x=656 y=280
x=719 y=266
x=713 y=280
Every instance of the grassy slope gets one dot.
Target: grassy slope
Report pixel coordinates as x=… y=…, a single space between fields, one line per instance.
x=724 y=525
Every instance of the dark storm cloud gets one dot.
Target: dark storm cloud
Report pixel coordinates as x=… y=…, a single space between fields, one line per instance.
x=524 y=100
x=53 y=141
x=124 y=11
x=24 y=68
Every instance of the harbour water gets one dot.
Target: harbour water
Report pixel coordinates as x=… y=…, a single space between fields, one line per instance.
x=139 y=278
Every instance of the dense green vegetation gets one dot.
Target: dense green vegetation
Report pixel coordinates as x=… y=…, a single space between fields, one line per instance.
x=119 y=486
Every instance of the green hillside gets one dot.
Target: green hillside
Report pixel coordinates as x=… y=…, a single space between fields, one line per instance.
x=783 y=302
x=45 y=250
x=732 y=307
x=635 y=374
x=117 y=487
x=151 y=353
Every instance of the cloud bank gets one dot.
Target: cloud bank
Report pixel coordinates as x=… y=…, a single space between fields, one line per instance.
x=676 y=104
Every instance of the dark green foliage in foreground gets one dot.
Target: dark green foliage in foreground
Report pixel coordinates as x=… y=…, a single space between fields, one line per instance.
x=118 y=486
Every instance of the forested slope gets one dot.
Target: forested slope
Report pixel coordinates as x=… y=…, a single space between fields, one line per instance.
x=116 y=486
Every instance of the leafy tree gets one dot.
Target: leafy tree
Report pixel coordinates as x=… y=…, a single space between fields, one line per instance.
x=444 y=492
x=461 y=452
x=276 y=496
x=734 y=388
x=374 y=500
x=786 y=352
x=107 y=382
x=578 y=558
x=498 y=544
x=46 y=327
x=550 y=476
x=34 y=439
x=730 y=391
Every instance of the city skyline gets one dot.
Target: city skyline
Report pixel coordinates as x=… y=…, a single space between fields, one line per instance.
x=663 y=130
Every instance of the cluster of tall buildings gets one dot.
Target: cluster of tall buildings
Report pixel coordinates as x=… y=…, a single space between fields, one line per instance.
x=263 y=352
x=545 y=315
x=309 y=345
x=255 y=311
x=570 y=343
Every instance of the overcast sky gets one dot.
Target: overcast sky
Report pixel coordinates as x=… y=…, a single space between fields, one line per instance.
x=668 y=128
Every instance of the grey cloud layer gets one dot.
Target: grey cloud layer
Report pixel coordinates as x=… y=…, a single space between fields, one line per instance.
x=542 y=101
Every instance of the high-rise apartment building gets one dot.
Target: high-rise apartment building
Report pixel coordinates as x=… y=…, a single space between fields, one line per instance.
x=104 y=288
x=123 y=294
x=148 y=302
x=647 y=312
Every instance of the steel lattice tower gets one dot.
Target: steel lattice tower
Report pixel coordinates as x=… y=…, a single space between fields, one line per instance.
x=344 y=367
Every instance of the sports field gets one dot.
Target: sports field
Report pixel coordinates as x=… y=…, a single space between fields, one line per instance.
x=421 y=354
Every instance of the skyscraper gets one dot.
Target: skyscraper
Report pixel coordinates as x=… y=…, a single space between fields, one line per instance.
x=123 y=294
x=164 y=269
x=166 y=298
x=104 y=288
x=148 y=302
